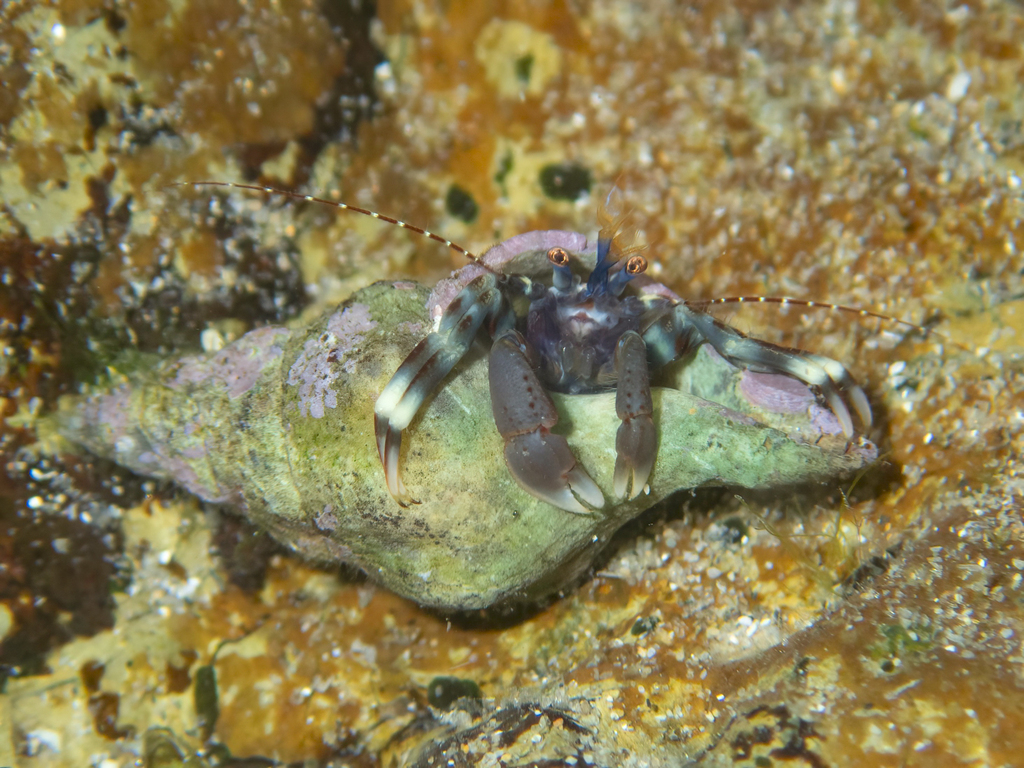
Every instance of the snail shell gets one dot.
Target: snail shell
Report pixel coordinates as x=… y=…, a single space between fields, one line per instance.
x=279 y=426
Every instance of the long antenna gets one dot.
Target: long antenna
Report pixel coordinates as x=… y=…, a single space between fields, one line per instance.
x=345 y=207
x=787 y=301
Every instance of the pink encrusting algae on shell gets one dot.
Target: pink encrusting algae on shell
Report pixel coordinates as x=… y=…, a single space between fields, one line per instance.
x=237 y=366
x=324 y=359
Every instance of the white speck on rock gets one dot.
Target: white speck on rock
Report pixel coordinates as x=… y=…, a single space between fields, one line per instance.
x=958 y=85
x=211 y=340
x=36 y=740
x=365 y=651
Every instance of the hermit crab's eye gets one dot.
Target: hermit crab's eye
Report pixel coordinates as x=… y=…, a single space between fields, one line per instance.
x=636 y=265
x=558 y=257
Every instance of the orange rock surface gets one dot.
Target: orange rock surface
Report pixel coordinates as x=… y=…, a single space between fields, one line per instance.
x=865 y=153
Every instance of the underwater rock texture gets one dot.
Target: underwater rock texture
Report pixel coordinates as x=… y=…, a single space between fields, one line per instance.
x=861 y=152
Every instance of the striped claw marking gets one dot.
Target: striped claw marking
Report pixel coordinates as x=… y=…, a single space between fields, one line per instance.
x=675 y=334
x=429 y=362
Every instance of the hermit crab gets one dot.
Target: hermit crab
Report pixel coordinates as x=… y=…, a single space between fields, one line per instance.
x=299 y=428
x=563 y=323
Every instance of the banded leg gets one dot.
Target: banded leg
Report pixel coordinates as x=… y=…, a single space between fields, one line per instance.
x=828 y=375
x=636 y=442
x=540 y=461
x=429 y=362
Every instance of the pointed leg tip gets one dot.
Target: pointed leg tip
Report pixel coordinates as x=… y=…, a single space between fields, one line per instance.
x=841 y=412
x=403 y=496
x=576 y=508
x=398 y=491
x=620 y=482
x=627 y=490
x=629 y=482
x=564 y=500
x=583 y=486
x=590 y=497
x=861 y=406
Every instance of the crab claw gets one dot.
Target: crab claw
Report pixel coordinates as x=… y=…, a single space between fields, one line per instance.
x=544 y=466
x=539 y=460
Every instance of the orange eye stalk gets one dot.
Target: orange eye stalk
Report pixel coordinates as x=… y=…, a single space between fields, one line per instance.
x=636 y=265
x=559 y=257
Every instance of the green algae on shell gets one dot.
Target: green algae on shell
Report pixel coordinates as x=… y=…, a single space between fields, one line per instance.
x=279 y=425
